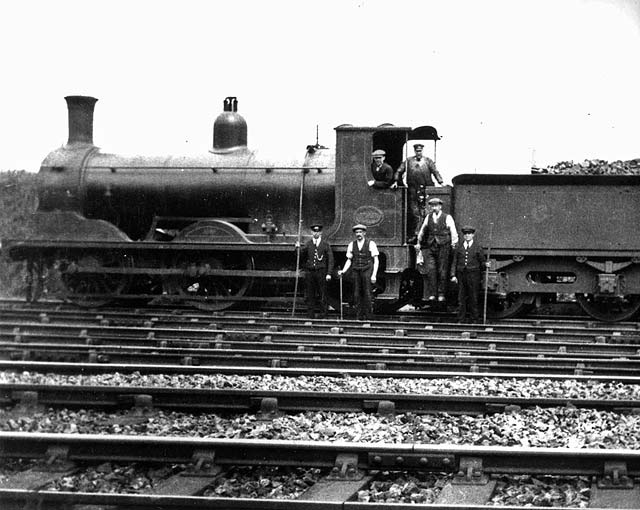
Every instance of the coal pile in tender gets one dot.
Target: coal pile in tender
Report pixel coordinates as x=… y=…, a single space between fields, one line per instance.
x=592 y=167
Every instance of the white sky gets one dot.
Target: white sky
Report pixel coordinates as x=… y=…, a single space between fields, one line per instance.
x=505 y=82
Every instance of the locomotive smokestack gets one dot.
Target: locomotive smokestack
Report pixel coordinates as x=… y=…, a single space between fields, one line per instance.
x=80 y=119
x=230 y=104
x=229 y=129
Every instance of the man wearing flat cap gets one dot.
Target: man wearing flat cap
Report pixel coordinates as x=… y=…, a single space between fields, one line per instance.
x=466 y=269
x=382 y=172
x=317 y=259
x=436 y=238
x=415 y=173
x=362 y=259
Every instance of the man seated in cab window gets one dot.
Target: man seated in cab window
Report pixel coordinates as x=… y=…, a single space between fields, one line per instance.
x=381 y=172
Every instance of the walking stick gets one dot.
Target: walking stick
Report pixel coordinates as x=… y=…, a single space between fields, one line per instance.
x=340 y=296
x=486 y=276
x=295 y=289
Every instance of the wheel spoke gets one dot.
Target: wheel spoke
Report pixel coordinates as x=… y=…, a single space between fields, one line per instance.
x=195 y=282
x=81 y=287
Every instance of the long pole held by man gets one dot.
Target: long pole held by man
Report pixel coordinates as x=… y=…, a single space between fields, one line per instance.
x=486 y=275
x=295 y=289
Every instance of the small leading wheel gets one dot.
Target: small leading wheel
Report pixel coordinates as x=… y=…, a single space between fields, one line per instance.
x=609 y=309
x=88 y=289
x=513 y=304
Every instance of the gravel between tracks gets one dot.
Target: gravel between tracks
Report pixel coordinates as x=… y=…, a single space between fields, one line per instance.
x=485 y=386
x=559 y=427
x=546 y=491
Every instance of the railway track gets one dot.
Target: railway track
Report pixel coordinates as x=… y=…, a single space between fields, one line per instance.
x=347 y=467
x=276 y=345
x=283 y=342
x=339 y=360
x=270 y=403
x=52 y=311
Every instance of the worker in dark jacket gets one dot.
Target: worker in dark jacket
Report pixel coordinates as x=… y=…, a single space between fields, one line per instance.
x=362 y=259
x=317 y=259
x=416 y=173
x=466 y=269
x=381 y=172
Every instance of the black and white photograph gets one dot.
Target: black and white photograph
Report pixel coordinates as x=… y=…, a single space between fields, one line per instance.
x=350 y=253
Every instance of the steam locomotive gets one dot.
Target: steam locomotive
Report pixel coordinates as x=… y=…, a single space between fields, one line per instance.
x=219 y=229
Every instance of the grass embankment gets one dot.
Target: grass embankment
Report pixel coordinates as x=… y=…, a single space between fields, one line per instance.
x=18 y=200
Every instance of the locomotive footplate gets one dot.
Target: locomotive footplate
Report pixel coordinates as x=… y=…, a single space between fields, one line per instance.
x=24 y=249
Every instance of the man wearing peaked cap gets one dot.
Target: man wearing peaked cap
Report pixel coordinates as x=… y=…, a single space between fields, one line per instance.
x=317 y=259
x=382 y=172
x=416 y=173
x=436 y=238
x=362 y=259
x=466 y=269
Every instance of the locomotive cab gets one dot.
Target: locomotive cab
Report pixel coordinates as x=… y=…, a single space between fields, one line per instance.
x=382 y=210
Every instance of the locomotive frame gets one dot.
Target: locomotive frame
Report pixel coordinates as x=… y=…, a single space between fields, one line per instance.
x=219 y=229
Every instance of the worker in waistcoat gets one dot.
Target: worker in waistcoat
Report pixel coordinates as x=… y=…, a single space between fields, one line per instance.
x=416 y=173
x=362 y=260
x=436 y=238
x=466 y=269
x=317 y=259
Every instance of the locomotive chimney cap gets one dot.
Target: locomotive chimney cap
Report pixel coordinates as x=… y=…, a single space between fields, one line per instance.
x=80 y=110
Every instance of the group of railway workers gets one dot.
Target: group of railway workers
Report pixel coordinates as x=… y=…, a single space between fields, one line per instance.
x=439 y=255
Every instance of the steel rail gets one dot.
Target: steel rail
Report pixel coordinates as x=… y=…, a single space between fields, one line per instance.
x=559 y=322
x=21 y=499
x=426 y=457
x=287 y=341
x=101 y=368
x=373 y=328
x=299 y=358
x=363 y=336
x=239 y=400
x=161 y=316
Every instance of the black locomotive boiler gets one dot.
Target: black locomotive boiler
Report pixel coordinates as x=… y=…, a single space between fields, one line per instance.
x=219 y=229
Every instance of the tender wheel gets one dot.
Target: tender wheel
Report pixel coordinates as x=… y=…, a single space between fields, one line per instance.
x=93 y=289
x=513 y=304
x=196 y=286
x=609 y=309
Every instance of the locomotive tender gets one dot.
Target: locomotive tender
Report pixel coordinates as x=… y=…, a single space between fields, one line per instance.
x=219 y=229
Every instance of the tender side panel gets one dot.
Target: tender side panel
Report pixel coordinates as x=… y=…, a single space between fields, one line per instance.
x=580 y=214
